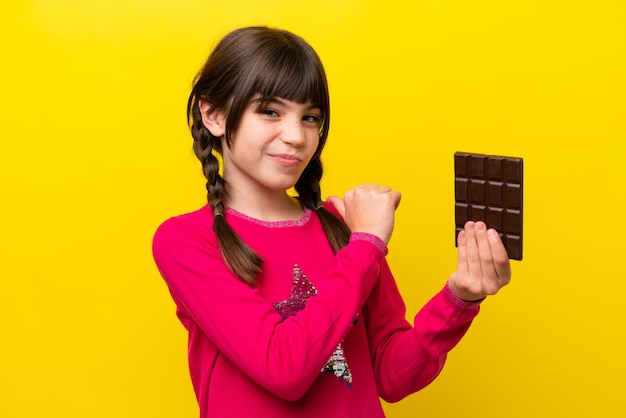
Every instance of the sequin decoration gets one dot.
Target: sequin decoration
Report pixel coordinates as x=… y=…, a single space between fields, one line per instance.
x=301 y=291
x=338 y=366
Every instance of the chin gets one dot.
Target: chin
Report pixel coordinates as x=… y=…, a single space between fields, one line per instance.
x=282 y=185
x=283 y=188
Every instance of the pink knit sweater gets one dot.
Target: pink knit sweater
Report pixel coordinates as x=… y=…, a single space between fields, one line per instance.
x=322 y=335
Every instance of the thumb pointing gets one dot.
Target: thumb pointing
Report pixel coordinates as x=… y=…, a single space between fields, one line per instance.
x=338 y=203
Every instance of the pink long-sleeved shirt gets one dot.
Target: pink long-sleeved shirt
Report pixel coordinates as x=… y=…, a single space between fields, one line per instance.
x=322 y=335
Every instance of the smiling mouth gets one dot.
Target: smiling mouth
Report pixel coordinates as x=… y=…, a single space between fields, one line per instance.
x=286 y=160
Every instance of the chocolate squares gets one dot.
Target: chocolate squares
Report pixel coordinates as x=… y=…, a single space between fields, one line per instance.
x=489 y=188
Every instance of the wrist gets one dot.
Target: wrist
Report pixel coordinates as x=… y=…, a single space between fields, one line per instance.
x=463 y=295
x=371 y=238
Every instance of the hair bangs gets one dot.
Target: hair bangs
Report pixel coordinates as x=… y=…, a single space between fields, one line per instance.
x=292 y=78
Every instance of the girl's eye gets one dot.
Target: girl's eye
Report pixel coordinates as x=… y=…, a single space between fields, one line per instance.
x=269 y=112
x=312 y=119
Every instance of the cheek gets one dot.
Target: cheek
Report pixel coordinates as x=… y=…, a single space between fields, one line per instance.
x=315 y=147
x=242 y=153
x=314 y=141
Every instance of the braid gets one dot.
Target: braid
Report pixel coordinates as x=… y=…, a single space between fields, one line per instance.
x=203 y=146
x=308 y=188
x=239 y=258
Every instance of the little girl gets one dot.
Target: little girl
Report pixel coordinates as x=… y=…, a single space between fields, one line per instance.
x=291 y=308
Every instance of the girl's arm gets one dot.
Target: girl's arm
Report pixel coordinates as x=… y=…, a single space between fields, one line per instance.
x=283 y=356
x=407 y=358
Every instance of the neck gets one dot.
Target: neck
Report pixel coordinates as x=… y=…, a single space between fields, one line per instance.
x=278 y=206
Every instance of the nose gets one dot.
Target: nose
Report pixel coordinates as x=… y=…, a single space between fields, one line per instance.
x=293 y=132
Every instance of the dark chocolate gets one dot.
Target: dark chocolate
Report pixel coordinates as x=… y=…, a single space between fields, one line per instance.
x=489 y=188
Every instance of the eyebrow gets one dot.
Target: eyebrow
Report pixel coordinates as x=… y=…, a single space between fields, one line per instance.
x=284 y=103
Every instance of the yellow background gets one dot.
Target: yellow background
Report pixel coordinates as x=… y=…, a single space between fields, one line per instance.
x=95 y=153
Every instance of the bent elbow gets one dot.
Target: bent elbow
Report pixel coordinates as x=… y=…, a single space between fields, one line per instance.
x=290 y=390
x=398 y=387
x=393 y=395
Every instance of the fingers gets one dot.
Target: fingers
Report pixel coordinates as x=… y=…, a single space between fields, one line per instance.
x=339 y=204
x=483 y=263
x=487 y=267
x=372 y=196
x=500 y=256
x=473 y=257
x=375 y=191
x=462 y=255
x=468 y=279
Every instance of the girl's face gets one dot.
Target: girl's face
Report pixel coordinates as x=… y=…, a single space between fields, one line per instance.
x=271 y=146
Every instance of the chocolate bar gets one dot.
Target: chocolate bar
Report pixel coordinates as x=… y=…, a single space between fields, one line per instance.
x=489 y=188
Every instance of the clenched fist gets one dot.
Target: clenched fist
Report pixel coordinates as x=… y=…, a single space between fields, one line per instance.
x=369 y=208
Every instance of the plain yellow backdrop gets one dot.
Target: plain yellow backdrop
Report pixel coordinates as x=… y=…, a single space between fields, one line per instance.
x=95 y=153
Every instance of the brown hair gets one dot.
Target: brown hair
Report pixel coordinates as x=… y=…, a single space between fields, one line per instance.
x=265 y=63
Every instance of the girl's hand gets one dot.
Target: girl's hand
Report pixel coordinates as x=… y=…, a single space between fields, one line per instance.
x=369 y=208
x=483 y=263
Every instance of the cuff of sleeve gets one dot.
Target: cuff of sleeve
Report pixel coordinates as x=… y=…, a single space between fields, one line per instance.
x=372 y=239
x=463 y=304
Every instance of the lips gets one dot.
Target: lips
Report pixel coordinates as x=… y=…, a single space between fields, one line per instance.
x=286 y=160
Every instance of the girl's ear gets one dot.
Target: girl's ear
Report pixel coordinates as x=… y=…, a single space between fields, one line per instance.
x=212 y=119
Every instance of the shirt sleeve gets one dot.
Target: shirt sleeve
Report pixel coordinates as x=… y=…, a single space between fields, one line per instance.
x=407 y=358
x=244 y=326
